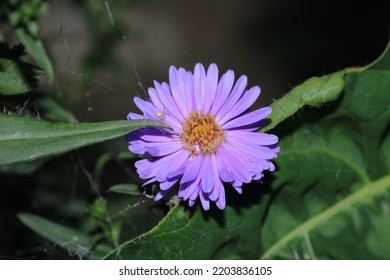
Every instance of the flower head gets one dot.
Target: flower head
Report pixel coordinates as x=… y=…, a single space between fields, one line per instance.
x=213 y=138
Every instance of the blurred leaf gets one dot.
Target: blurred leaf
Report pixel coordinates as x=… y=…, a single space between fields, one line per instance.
x=22 y=168
x=130 y=189
x=111 y=230
x=25 y=139
x=98 y=209
x=54 y=110
x=99 y=165
x=68 y=238
x=16 y=77
x=22 y=15
x=36 y=49
x=333 y=185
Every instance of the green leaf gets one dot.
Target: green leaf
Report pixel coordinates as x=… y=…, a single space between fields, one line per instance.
x=68 y=238
x=36 y=49
x=332 y=191
x=23 y=168
x=17 y=77
x=130 y=189
x=54 y=111
x=314 y=92
x=24 y=139
x=212 y=235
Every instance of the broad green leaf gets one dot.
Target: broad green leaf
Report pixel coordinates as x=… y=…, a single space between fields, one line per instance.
x=130 y=189
x=211 y=235
x=332 y=192
x=17 y=77
x=24 y=139
x=76 y=242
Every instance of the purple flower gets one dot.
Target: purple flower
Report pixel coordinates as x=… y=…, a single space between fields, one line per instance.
x=213 y=138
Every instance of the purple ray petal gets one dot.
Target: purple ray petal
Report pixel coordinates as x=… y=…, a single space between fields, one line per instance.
x=242 y=105
x=249 y=118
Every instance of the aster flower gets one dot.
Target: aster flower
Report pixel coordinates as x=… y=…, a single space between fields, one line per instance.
x=212 y=140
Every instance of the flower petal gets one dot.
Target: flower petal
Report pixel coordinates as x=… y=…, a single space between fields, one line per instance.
x=224 y=173
x=154 y=98
x=166 y=185
x=235 y=165
x=174 y=163
x=207 y=175
x=192 y=170
x=176 y=82
x=217 y=181
x=234 y=96
x=146 y=107
x=162 y=149
x=223 y=90
x=161 y=194
x=258 y=138
x=148 y=168
x=211 y=87
x=191 y=189
x=243 y=104
x=156 y=135
x=221 y=201
x=254 y=150
x=134 y=116
x=249 y=118
x=164 y=93
x=199 y=86
x=204 y=200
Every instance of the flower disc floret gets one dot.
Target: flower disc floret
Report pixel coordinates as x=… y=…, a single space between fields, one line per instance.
x=201 y=133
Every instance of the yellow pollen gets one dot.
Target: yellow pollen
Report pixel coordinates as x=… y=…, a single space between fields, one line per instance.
x=201 y=133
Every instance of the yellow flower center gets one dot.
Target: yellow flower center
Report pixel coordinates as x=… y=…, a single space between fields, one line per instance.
x=201 y=133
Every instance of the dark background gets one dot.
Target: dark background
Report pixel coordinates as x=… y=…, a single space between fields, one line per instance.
x=277 y=44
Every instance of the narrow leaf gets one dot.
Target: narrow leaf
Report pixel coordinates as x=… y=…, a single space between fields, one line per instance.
x=36 y=49
x=24 y=139
x=68 y=238
x=130 y=189
x=54 y=111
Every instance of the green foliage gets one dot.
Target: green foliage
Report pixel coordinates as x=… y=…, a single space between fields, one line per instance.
x=314 y=91
x=333 y=184
x=186 y=235
x=17 y=77
x=22 y=15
